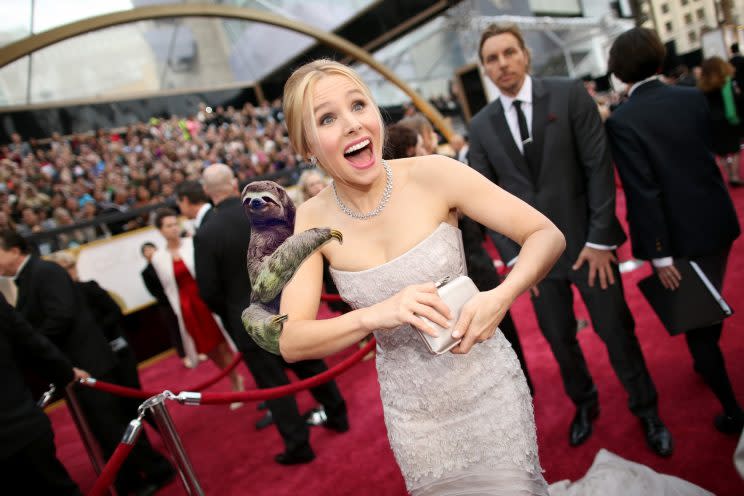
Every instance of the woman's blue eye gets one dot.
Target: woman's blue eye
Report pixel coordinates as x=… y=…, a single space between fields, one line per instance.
x=326 y=119
x=357 y=106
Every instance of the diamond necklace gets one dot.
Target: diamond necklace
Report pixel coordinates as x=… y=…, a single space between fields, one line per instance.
x=380 y=206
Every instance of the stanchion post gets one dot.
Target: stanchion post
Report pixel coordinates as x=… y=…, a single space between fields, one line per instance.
x=89 y=441
x=172 y=441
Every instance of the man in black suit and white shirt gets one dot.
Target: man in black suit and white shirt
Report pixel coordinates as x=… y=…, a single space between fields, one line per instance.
x=542 y=140
x=193 y=202
x=220 y=250
x=49 y=301
x=678 y=204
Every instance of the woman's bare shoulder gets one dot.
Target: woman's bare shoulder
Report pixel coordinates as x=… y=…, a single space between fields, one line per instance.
x=313 y=212
x=429 y=169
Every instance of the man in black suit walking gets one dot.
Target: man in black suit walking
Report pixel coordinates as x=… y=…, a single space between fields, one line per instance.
x=49 y=301
x=678 y=204
x=220 y=250
x=542 y=140
x=28 y=461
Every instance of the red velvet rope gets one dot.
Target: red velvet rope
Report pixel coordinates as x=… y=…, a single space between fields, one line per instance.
x=278 y=392
x=330 y=297
x=144 y=394
x=254 y=395
x=111 y=469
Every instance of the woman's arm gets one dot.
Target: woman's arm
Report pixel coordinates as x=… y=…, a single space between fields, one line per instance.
x=304 y=337
x=481 y=200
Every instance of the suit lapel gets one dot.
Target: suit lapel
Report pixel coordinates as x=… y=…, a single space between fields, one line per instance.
x=540 y=105
x=498 y=120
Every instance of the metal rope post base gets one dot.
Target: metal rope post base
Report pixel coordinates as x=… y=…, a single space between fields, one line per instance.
x=172 y=441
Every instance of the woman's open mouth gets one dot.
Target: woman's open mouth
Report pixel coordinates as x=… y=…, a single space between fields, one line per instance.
x=360 y=154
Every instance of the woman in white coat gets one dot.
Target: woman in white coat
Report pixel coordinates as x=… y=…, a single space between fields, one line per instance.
x=201 y=331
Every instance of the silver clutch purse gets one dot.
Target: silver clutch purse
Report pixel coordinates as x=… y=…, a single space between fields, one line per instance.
x=455 y=292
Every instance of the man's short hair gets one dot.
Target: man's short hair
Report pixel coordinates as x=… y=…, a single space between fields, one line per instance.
x=193 y=191
x=496 y=29
x=161 y=214
x=734 y=47
x=636 y=55
x=11 y=239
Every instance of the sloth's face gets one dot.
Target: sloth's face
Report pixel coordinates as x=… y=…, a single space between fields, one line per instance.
x=263 y=201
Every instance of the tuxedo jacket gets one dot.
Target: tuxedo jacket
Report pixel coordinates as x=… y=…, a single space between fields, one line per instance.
x=22 y=347
x=678 y=204
x=49 y=300
x=574 y=187
x=220 y=254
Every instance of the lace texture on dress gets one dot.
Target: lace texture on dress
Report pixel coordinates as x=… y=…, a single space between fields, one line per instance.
x=447 y=414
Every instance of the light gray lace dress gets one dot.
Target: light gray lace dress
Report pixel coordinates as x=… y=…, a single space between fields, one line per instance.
x=458 y=424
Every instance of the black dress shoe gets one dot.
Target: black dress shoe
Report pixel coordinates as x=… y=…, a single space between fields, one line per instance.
x=265 y=421
x=295 y=458
x=729 y=424
x=581 y=425
x=658 y=436
x=339 y=423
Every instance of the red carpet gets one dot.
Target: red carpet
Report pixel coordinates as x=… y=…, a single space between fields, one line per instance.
x=231 y=458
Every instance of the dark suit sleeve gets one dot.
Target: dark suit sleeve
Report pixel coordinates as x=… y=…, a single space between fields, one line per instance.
x=153 y=284
x=207 y=274
x=594 y=154
x=105 y=308
x=31 y=347
x=645 y=209
x=56 y=295
x=478 y=160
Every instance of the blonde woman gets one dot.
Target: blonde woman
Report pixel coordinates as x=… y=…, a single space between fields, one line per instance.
x=459 y=420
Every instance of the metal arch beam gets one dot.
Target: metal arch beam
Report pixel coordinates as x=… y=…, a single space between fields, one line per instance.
x=26 y=46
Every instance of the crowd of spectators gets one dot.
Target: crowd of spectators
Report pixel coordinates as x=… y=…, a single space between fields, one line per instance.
x=65 y=180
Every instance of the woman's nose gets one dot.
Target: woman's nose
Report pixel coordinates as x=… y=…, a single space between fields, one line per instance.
x=352 y=125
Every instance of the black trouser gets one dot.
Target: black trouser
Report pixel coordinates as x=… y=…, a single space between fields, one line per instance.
x=269 y=371
x=35 y=469
x=108 y=416
x=703 y=342
x=484 y=275
x=612 y=321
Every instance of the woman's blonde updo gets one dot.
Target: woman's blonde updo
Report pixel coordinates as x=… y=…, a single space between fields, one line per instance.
x=298 y=104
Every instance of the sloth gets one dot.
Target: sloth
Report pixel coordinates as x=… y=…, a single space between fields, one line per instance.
x=274 y=255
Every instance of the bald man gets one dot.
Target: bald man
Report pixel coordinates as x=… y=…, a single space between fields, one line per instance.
x=220 y=248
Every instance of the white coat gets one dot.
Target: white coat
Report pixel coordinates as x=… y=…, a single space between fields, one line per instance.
x=162 y=261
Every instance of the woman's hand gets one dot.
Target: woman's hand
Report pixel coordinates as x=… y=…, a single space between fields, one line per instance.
x=479 y=318
x=408 y=306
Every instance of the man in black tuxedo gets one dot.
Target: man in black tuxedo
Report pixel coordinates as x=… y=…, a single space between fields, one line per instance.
x=50 y=302
x=28 y=461
x=678 y=204
x=220 y=250
x=193 y=202
x=542 y=140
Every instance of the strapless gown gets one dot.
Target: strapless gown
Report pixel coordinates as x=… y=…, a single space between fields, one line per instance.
x=457 y=424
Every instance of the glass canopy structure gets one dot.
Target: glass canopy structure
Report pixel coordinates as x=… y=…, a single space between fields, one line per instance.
x=149 y=57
